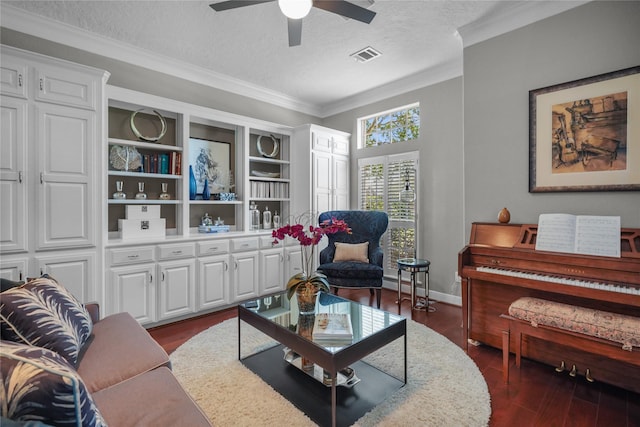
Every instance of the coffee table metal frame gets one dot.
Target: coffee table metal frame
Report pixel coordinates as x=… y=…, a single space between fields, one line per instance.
x=332 y=362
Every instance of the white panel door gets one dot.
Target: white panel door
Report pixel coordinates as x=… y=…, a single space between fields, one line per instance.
x=76 y=272
x=340 y=166
x=65 y=146
x=213 y=282
x=13 y=77
x=177 y=287
x=13 y=179
x=14 y=269
x=322 y=182
x=245 y=275
x=271 y=271
x=66 y=87
x=293 y=262
x=134 y=291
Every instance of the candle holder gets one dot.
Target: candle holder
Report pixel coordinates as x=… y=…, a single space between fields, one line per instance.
x=119 y=194
x=164 y=195
x=141 y=195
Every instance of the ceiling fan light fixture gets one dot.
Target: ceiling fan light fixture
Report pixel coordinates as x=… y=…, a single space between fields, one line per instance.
x=295 y=9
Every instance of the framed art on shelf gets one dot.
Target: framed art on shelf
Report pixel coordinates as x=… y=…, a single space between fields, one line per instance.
x=584 y=135
x=210 y=160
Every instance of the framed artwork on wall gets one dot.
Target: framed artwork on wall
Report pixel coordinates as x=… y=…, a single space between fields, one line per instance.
x=210 y=160
x=584 y=135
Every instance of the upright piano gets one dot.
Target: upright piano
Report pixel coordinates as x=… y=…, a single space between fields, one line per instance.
x=500 y=264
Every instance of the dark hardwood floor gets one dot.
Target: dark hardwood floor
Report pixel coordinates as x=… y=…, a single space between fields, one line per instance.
x=535 y=396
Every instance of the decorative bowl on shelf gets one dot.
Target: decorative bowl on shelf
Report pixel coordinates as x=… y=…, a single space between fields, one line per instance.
x=266 y=174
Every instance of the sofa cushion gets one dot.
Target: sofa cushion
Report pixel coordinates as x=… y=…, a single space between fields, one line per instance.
x=121 y=349
x=40 y=385
x=45 y=314
x=351 y=270
x=351 y=252
x=153 y=399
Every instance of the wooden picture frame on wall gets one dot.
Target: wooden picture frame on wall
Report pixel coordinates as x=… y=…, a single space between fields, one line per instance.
x=584 y=135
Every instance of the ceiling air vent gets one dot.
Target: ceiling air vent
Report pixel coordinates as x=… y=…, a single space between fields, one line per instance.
x=366 y=54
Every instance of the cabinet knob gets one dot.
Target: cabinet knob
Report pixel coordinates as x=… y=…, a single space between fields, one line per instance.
x=150 y=278
x=41 y=177
x=19 y=80
x=41 y=84
x=226 y=266
x=20 y=177
x=178 y=252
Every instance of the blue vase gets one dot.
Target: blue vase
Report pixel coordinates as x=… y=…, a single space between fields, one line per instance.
x=192 y=184
x=206 y=194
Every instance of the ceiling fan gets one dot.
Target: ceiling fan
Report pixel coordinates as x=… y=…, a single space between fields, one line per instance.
x=295 y=10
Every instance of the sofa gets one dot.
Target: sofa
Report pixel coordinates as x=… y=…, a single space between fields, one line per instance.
x=63 y=365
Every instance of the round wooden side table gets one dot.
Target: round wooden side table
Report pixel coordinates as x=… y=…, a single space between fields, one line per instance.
x=415 y=266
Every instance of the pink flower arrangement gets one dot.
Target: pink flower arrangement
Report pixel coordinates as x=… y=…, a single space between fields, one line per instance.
x=314 y=235
x=309 y=236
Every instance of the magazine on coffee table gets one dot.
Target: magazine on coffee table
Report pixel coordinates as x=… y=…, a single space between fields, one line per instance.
x=334 y=327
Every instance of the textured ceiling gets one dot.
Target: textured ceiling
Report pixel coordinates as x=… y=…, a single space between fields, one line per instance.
x=250 y=43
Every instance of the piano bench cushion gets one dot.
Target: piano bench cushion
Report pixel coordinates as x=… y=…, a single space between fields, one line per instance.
x=601 y=324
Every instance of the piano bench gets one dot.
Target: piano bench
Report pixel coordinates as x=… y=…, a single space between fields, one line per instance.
x=609 y=334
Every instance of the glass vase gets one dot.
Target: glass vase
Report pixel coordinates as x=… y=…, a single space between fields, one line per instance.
x=164 y=195
x=141 y=195
x=206 y=193
x=193 y=186
x=119 y=194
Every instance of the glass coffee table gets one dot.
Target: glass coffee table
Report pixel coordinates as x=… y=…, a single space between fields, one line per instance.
x=337 y=377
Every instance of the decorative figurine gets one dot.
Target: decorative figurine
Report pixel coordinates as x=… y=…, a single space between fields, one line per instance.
x=164 y=195
x=141 y=195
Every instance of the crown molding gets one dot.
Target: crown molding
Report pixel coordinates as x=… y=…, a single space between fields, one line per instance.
x=25 y=22
x=516 y=15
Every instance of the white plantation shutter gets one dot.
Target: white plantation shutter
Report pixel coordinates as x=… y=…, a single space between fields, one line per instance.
x=380 y=181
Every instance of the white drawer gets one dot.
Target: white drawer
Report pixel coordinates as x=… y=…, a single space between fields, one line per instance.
x=131 y=255
x=213 y=247
x=246 y=244
x=266 y=242
x=184 y=250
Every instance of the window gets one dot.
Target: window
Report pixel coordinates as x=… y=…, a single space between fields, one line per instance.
x=380 y=181
x=398 y=125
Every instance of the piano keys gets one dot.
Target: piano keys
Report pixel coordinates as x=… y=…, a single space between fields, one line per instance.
x=500 y=264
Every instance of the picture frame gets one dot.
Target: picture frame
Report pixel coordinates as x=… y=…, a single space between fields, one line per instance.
x=210 y=160
x=582 y=136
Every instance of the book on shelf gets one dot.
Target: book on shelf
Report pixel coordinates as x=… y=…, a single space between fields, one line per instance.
x=579 y=234
x=334 y=327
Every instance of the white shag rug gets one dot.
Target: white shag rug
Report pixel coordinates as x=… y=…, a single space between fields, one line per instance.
x=444 y=386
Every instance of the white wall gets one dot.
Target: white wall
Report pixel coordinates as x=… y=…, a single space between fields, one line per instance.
x=592 y=39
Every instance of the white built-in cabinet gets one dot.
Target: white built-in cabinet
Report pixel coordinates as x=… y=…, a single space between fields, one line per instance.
x=52 y=131
x=325 y=185
x=59 y=124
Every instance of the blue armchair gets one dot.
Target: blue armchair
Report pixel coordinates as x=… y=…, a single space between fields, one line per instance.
x=356 y=266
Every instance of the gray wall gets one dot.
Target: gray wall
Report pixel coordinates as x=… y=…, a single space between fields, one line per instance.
x=440 y=145
x=592 y=39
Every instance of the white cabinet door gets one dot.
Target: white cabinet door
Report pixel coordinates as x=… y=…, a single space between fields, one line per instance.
x=14 y=269
x=245 y=275
x=292 y=262
x=213 y=282
x=134 y=291
x=13 y=77
x=322 y=182
x=66 y=196
x=13 y=183
x=340 y=169
x=66 y=87
x=177 y=288
x=271 y=271
x=74 y=271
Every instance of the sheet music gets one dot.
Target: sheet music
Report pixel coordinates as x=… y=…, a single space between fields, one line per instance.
x=583 y=234
x=598 y=235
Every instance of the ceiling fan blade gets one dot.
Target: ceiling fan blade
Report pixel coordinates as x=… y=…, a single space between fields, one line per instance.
x=233 y=4
x=346 y=9
x=295 y=32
